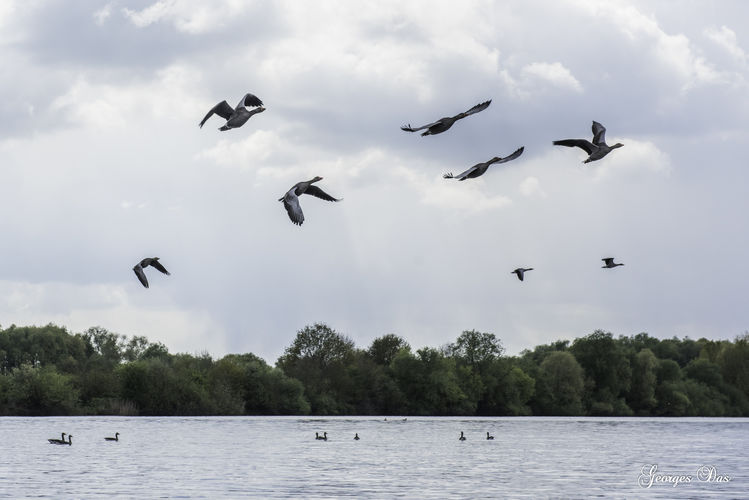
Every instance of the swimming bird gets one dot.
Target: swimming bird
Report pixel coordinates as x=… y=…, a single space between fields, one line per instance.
x=115 y=438
x=596 y=149
x=235 y=117
x=70 y=440
x=462 y=437
x=445 y=123
x=479 y=168
x=324 y=436
x=356 y=437
x=148 y=261
x=520 y=271
x=609 y=263
x=58 y=441
x=291 y=198
x=489 y=436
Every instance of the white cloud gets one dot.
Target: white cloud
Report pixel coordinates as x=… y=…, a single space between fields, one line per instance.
x=635 y=159
x=726 y=38
x=671 y=51
x=101 y=15
x=531 y=186
x=554 y=73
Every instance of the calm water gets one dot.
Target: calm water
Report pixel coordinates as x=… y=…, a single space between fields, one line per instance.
x=278 y=457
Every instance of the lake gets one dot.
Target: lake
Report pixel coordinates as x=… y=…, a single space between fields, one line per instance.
x=421 y=457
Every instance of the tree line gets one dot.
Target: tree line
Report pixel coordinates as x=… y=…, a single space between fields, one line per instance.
x=50 y=371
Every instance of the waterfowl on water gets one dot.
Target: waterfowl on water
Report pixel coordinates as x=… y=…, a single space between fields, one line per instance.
x=445 y=123
x=520 y=271
x=596 y=149
x=480 y=168
x=291 y=198
x=324 y=436
x=609 y=263
x=115 y=438
x=462 y=437
x=70 y=440
x=58 y=441
x=356 y=436
x=148 y=261
x=235 y=117
x=489 y=436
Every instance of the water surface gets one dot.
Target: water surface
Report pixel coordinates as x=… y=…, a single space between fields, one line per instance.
x=278 y=457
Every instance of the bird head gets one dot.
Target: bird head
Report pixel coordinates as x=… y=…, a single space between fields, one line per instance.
x=617 y=145
x=317 y=178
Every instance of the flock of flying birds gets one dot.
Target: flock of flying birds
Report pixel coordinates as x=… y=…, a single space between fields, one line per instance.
x=238 y=116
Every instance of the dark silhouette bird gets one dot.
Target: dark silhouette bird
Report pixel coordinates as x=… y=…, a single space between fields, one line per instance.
x=58 y=441
x=324 y=436
x=445 y=123
x=70 y=440
x=235 y=117
x=609 y=263
x=356 y=437
x=291 y=198
x=480 y=168
x=520 y=271
x=115 y=438
x=596 y=149
x=148 y=261
x=462 y=437
x=489 y=436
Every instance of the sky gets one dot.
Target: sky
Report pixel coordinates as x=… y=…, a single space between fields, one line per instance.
x=102 y=163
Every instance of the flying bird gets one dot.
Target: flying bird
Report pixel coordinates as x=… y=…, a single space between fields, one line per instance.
x=596 y=149
x=521 y=272
x=291 y=198
x=609 y=263
x=235 y=117
x=148 y=261
x=480 y=168
x=445 y=123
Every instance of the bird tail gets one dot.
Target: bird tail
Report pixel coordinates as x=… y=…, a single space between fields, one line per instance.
x=448 y=175
x=224 y=128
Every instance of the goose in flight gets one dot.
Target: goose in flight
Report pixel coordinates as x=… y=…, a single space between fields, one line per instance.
x=521 y=272
x=291 y=198
x=58 y=441
x=148 y=261
x=480 y=168
x=445 y=123
x=235 y=117
x=596 y=149
x=609 y=263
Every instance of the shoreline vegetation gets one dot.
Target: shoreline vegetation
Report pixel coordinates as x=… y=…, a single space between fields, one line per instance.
x=47 y=371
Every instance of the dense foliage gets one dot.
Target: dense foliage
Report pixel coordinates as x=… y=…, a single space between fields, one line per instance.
x=49 y=371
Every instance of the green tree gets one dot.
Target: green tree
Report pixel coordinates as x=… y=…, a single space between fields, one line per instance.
x=644 y=380
x=559 y=386
x=384 y=349
x=319 y=356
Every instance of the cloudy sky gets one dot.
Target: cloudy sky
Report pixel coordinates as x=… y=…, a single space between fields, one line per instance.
x=103 y=163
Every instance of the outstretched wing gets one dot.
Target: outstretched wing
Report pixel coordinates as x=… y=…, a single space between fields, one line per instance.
x=580 y=143
x=250 y=100
x=599 y=133
x=158 y=266
x=141 y=275
x=222 y=109
x=409 y=128
x=291 y=204
x=319 y=193
x=514 y=155
x=475 y=109
x=462 y=176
